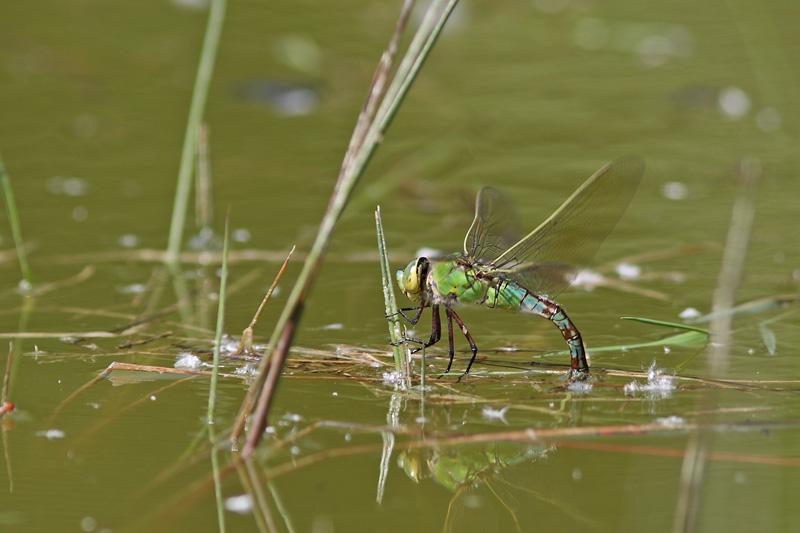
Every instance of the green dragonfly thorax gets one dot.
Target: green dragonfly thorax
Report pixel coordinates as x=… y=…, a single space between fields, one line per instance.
x=449 y=282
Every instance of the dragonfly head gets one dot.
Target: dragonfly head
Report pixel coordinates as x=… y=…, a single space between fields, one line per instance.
x=412 y=280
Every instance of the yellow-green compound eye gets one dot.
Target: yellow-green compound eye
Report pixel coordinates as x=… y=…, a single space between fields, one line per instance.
x=412 y=279
x=407 y=279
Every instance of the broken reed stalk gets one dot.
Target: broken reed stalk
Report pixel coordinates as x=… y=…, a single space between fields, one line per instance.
x=16 y=227
x=246 y=344
x=687 y=508
x=401 y=357
x=212 y=393
x=205 y=69
x=375 y=117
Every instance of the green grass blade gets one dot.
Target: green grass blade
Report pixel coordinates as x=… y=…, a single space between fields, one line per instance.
x=661 y=323
x=685 y=338
x=689 y=336
x=205 y=69
x=390 y=304
x=16 y=231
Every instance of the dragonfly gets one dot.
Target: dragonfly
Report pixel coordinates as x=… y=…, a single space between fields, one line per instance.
x=502 y=269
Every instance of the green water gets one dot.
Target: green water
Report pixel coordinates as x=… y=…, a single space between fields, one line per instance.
x=530 y=97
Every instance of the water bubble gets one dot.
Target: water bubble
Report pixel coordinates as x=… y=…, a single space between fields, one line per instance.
x=658 y=384
x=67 y=186
x=674 y=190
x=75 y=187
x=734 y=102
x=241 y=504
x=88 y=524
x=587 y=279
x=80 y=214
x=496 y=414
x=689 y=312
x=628 y=272
x=768 y=120
x=129 y=241
x=247 y=369
x=135 y=288
x=51 y=434
x=655 y=50
x=293 y=417
x=580 y=387
x=392 y=377
x=188 y=361
x=241 y=235
x=670 y=421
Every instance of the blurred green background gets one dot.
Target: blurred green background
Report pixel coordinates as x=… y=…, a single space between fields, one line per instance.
x=528 y=96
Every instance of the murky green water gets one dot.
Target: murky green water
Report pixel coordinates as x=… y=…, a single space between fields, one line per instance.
x=531 y=97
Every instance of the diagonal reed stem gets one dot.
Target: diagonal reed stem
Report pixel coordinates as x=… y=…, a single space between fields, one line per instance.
x=371 y=125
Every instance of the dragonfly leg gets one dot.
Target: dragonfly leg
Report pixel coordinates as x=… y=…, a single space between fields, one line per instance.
x=412 y=320
x=451 y=315
x=417 y=316
x=436 y=329
x=452 y=351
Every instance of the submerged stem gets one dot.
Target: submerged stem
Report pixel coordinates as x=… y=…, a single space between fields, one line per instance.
x=212 y=394
x=697 y=449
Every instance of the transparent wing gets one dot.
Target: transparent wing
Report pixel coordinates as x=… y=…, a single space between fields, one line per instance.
x=548 y=258
x=495 y=227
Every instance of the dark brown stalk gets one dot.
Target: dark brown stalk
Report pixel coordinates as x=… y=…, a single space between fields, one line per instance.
x=368 y=133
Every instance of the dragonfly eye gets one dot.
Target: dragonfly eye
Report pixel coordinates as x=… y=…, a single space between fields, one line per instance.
x=412 y=278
